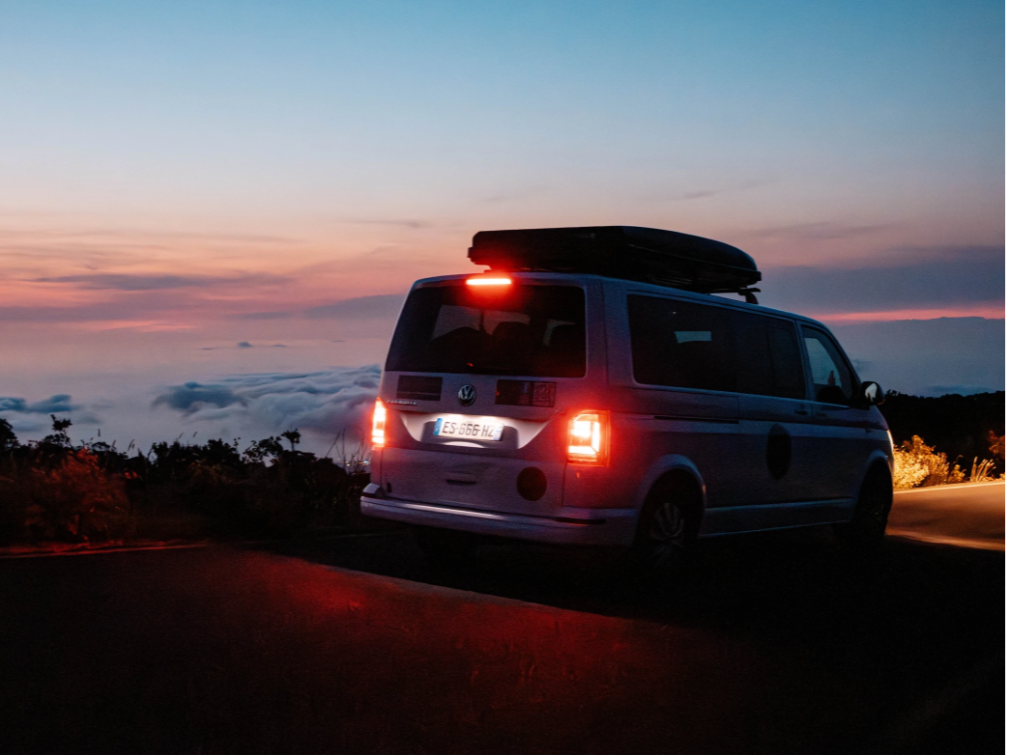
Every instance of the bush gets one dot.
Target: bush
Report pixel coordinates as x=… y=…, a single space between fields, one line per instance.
x=12 y=513
x=53 y=490
x=76 y=500
x=918 y=465
x=64 y=496
x=962 y=427
x=8 y=440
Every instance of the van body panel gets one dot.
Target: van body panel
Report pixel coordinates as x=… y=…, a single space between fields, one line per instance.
x=663 y=466
x=571 y=526
x=459 y=478
x=778 y=461
x=839 y=442
x=709 y=443
x=735 y=520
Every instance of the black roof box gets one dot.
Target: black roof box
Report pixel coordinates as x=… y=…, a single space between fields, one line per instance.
x=620 y=251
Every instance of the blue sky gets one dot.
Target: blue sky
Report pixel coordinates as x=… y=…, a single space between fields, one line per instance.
x=428 y=108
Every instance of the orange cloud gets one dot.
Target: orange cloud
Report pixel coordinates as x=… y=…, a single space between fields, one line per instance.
x=988 y=310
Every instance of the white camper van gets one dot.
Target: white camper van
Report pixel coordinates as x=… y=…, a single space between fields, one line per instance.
x=591 y=388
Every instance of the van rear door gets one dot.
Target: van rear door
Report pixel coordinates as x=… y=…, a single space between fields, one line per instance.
x=476 y=383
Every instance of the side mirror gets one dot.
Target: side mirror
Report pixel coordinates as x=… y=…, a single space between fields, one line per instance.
x=873 y=393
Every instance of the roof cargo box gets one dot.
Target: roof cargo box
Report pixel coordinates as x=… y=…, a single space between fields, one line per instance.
x=620 y=251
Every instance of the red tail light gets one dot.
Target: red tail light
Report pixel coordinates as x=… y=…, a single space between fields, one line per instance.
x=489 y=280
x=379 y=425
x=588 y=437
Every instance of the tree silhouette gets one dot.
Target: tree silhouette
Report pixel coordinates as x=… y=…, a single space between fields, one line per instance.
x=8 y=439
x=59 y=436
x=293 y=437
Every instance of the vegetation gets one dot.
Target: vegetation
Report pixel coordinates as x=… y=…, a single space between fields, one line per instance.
x=918 y=465
x=960 y=427
x=53 y=490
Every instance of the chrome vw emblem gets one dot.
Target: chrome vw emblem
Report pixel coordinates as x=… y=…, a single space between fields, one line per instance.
x=467 y=395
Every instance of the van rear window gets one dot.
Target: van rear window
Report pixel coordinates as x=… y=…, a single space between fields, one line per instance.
x=524 y=331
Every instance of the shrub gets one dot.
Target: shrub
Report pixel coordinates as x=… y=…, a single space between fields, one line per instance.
x=11 y=508
x=8 y=440
x=73 y=499
x=52 y=489
x=997 y=445
x=918 y=465
x=959 y=426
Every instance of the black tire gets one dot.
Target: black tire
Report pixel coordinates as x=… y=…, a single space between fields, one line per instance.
x=445 y=547
x=864 y=534
x=667 y=535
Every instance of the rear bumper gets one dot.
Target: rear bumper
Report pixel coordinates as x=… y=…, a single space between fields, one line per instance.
x=571 y=526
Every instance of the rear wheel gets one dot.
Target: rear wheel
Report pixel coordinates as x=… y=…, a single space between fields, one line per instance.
x=864 y=534
x=667 y=533
x=445 y=547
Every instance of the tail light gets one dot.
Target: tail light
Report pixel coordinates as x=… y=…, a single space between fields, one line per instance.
x=588 y=438
x=489 y=280
x=379 y=425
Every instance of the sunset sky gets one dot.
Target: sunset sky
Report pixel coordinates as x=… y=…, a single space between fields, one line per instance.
x=238 y=195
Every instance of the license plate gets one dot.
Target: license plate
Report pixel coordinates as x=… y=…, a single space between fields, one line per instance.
x=473 y=429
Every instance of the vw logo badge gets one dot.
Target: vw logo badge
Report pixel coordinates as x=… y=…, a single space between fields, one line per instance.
x=467 y=395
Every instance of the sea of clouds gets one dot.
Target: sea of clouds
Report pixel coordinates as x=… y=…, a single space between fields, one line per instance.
x=320 y=404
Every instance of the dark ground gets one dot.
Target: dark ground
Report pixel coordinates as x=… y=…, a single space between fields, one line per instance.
x=777 y=646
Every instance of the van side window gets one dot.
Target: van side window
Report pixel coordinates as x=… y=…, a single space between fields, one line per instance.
x=768 y=357
x=681 y=344
x=833 y=382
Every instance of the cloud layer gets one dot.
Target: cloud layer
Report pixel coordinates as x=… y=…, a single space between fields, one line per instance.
x=52 y=405
x=382 y=306
x=140 y=282
x=34 y=416
x=320 y=404
x=325 y=402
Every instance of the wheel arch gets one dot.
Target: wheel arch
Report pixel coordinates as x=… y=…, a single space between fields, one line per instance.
x=673 y=469
x=880 y=464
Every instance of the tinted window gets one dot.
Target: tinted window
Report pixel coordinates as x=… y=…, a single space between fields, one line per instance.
x=691 y=345
x=681 y=344
x=768 y=357
x=521 y=330
x=833 y=382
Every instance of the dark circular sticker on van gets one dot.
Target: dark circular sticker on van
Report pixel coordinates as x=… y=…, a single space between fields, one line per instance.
x=467 y=395
x=780 y=452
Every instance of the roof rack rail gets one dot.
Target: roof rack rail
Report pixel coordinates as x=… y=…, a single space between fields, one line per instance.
x=666 y=258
